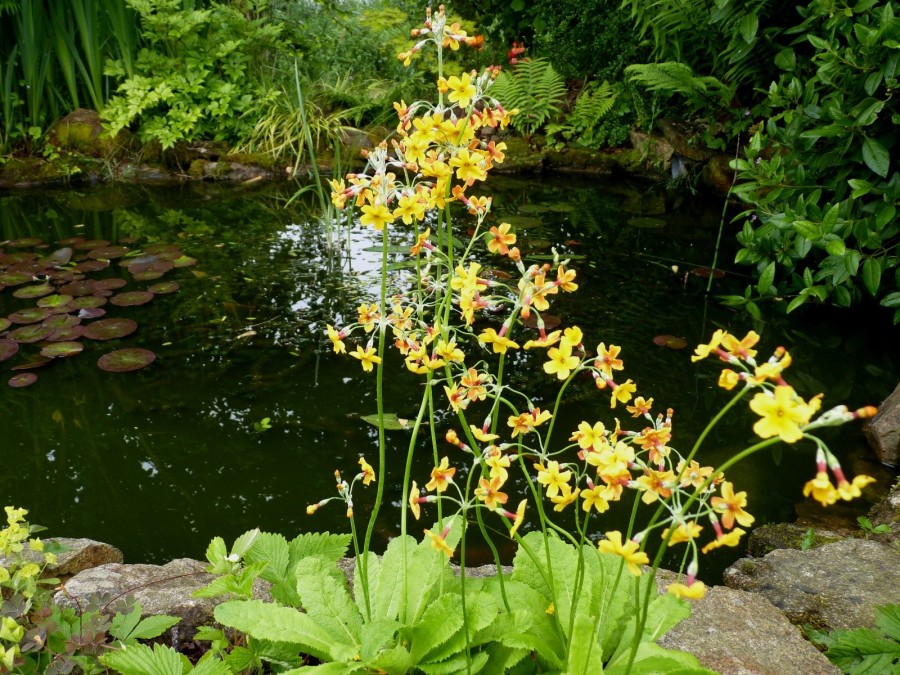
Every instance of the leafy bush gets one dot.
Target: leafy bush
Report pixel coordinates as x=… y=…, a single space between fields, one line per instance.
x=582 y=125
x=198 y=74
x=818 y=177
x=535 y=89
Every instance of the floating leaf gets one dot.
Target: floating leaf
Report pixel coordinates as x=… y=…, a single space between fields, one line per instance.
x=57 y=258
x=78 y=288
x=30 y=315
x=8 y=348
x=60 y=321
x=562 y=207
x=534 y=208
x=22 y=380
x=184 y=261
x=391 y=421
x=88 y=266
x=52 y=301
x=670 y=341
x=62 y=349
x=34 y=361
x=131 y=298
x=521 y=222
x=87 y=302
x=91 y=313
x=91 y=244
x=29 y=334
x=109 y=329
x=550 y=321
x=107 y=252
x=124 y=360
x=36 y=291
x=70 y=241
x=646 y=222
x=66 y=334
x=15 y=278
x=4 y=324
x=25 y=242
x=110 y=284
x=164 y=287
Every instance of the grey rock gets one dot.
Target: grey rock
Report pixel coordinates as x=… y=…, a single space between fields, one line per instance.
x=774 y=536
x=888 y=513
x=883 y=431
x=80 y=555
x=739 y=633
x=834 y=586
x=161 y=589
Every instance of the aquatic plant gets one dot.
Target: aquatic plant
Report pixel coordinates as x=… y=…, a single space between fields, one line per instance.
x=570 y=604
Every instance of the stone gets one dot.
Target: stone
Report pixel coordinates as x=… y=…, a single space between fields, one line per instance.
x=888 y=513
x=232 y=172
x=686 y=139
x=738 y=633
x=883 y=430
x=80 y=555
x=773 y=536
x=833 y=586
x=655 y=151
x=83 y=131
x=161 y=589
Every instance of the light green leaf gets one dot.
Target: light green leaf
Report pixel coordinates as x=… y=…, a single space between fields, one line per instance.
x=748 y=26
x=836 y=247
x=876 y=157
x=871 y=275
x=153 y=626
x=327 y=600
x=786 y=59
x=891 y=300
x=391 y=421
x=140 y=659
x=766 y=278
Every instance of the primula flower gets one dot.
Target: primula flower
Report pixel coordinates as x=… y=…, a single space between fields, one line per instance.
x=499 y=343
x=607 y=359
x=561 y=362
x=594 y=498
x=336 y=342
x=488 y=491
x=694 y=591
x=439 y=542
x=622 y=393
x=702 y=351
x=368 y=473
x=590 y=437
x=694 y=474
x=821 y=489
x=851 y=490
x=376 y=215
x=482 y=435
x=783 y=413
x=546 y=341
x=572 y=336
x=409 y=207
x=684 y=532
x=501 y=239
x=628 y=551
x=566 y=497
x=516 y=517
x=415 y=500
x=367 y=357
x=441 y=476
x=525 y=422
x=552 y=478
x=462 y=91
x=641 y=406
x=469 y=166
x=731 y=506
x=740 y=348
x=655 y=484
x=728 y=379
x=498 y=463
x=733 y=538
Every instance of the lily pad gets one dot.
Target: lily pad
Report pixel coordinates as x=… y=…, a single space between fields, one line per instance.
x=110 y=284
x=522 y=222
x=647 y=222
x=109 y=329
x=22 y=380
x=131 y=298
x=164 y=287
x=60 y=321
x=34 y=361
x=62 y=349
x=52 y=301
x=78 y=288
x=70 y=241
x=8 y=348
x=87 y=302
x=92 y=265
x=533 y=208
x=107 y=252
x=147 y=275
x=91 y=244
x=67 y=334
x=25 y=242
x=36 y=291
x=59 y=257
x=124 y=360
x=30 y=315
x=562 y=207
x=670 y=341
x=91 y=313
x=4 y=324
x=29 y=334
x=391 y=421
x=15 y=278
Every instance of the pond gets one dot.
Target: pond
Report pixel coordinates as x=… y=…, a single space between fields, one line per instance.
x=159 y=460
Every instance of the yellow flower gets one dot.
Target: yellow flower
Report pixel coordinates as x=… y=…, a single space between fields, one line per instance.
x=594 y=498
x=441 y=476
x=409 y=207
x=462 y=91
x=561 y=362
x=439 y=543
x=547 y=341
x=519 y=517
x=572 y=336
x=488 y=491
x=566 y=279
x=501 y=239
x=525 y=422
x=566 y=497
x=731 y=506
x=849 y=491
x=607 y=359
x=730 y=539
x=740 y=348
x=368 y=473
x=783 y=413
x=641 y=407
x=693 y=592
x=367 y=357
x=552 y=478
x=376 y=215
x=500 y=343
x=728 y=379
x=702 y=351
x=469 y=165
x=590 y=437
x=414 y=495
x=336 y=342
x=684 y=532
x=498 y=463
x=622 y=393
x=628 y=551
x=821 y=489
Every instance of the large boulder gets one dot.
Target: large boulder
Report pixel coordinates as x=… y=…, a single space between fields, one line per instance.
x=833 y=586
x=82 y=131
x=739 y=633
x=883 y=431
x=78 y=555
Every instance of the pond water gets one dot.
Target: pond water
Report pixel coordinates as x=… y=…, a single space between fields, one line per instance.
x=159 y=460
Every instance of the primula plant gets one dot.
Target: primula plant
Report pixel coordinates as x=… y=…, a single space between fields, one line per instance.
x=569 y=605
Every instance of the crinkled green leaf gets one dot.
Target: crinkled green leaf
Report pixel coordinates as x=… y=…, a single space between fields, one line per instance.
x=652 y=659
x=454 y=665
x=327 y=601
x=140 y=659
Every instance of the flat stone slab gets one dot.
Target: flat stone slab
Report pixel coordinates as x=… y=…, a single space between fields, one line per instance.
x=738 y=633
x=833 y=586
x=80 y=555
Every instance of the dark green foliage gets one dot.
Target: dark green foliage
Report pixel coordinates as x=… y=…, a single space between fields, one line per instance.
x=535 y=89
x=583 y=124
x=818 y=177
x=865 y=650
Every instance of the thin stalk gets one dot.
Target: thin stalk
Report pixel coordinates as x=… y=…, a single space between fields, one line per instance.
x=715 y=260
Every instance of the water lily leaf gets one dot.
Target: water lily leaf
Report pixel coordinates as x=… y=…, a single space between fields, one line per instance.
x=78 y=288
x=110 y=284
x=124 y=360
x=37 y=291
x=52 y=301
x=25 y=242
x=533 y=208
x=164 y=287
x=88 y=266
x=62 y=349
x=34 y=361
x=8 y=348
x=184 y=261
x=562 y=207
x=522 y=222
x=670 y=341
x=147 y=275
x=391 y=421
x=131 y=298
x=91 y=244
x=87 y=302
x=91 y=313
x=30 y=315
x=109 y=329
x=539 y=244
x=67 y=334
x=29 y=334
x=4 y=324
x=22 y=380
x=60 y=321
x=15 y=278
x=646 y=222
x=70 y=241
x=107 y=252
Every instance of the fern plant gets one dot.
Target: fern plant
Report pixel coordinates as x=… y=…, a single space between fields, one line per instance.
x=535 y=89
x=672 y=77
x=580 y=127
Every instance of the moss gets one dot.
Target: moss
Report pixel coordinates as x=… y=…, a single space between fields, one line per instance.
x=260 y=159
x=520 y=156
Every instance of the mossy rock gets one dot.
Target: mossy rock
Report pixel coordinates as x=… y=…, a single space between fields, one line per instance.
x=82 y=131
x=69 y=169
x=519 y=156
x=773 y=536
x=582 y=160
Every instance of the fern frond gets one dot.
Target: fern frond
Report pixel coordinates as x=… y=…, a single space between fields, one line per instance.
x=535 y=88
x=672 y=77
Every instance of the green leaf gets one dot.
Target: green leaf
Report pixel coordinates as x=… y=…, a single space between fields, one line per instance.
x=391 y=421
x=748 y=26
x=871 y=275
x=766 y=278
x=438 y=624
x=865 y=650
x=869 y=109
x=153 y=626
x=859 y=187
x=786 y=59
x=140 y=659
x=327 y=601
x=876 y=157
x=796 y=302
x=873 y=81
x=891 y=300
x=887 y=618
x=836 y=247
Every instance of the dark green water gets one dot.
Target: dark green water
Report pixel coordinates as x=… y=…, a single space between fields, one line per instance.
x=160 y=460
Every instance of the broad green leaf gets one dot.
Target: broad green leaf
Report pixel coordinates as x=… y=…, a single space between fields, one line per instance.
x=891 y=300
x=330 y=547
x=663 y=613
x=887 y=618
x=864 y=650
x=440 y=622
x=122 y=624
x=859 y=187
x=328 y=601
x=243 y=543
x=876 y=157
x=873 y=81
x=836 y=247
x=651 y=659
x=766 y=278
x=808 y=230
x=455 y=665
x=211 y=667
x=427 y=567
x=871 y=275
x=885 y=214
x=153 y=626
x=376 y=636
x=268 y=621
x=391 y=421
x=140 y=659
x=274 y=550
x=786 y=59
x=748 y=26
x=796 y=302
